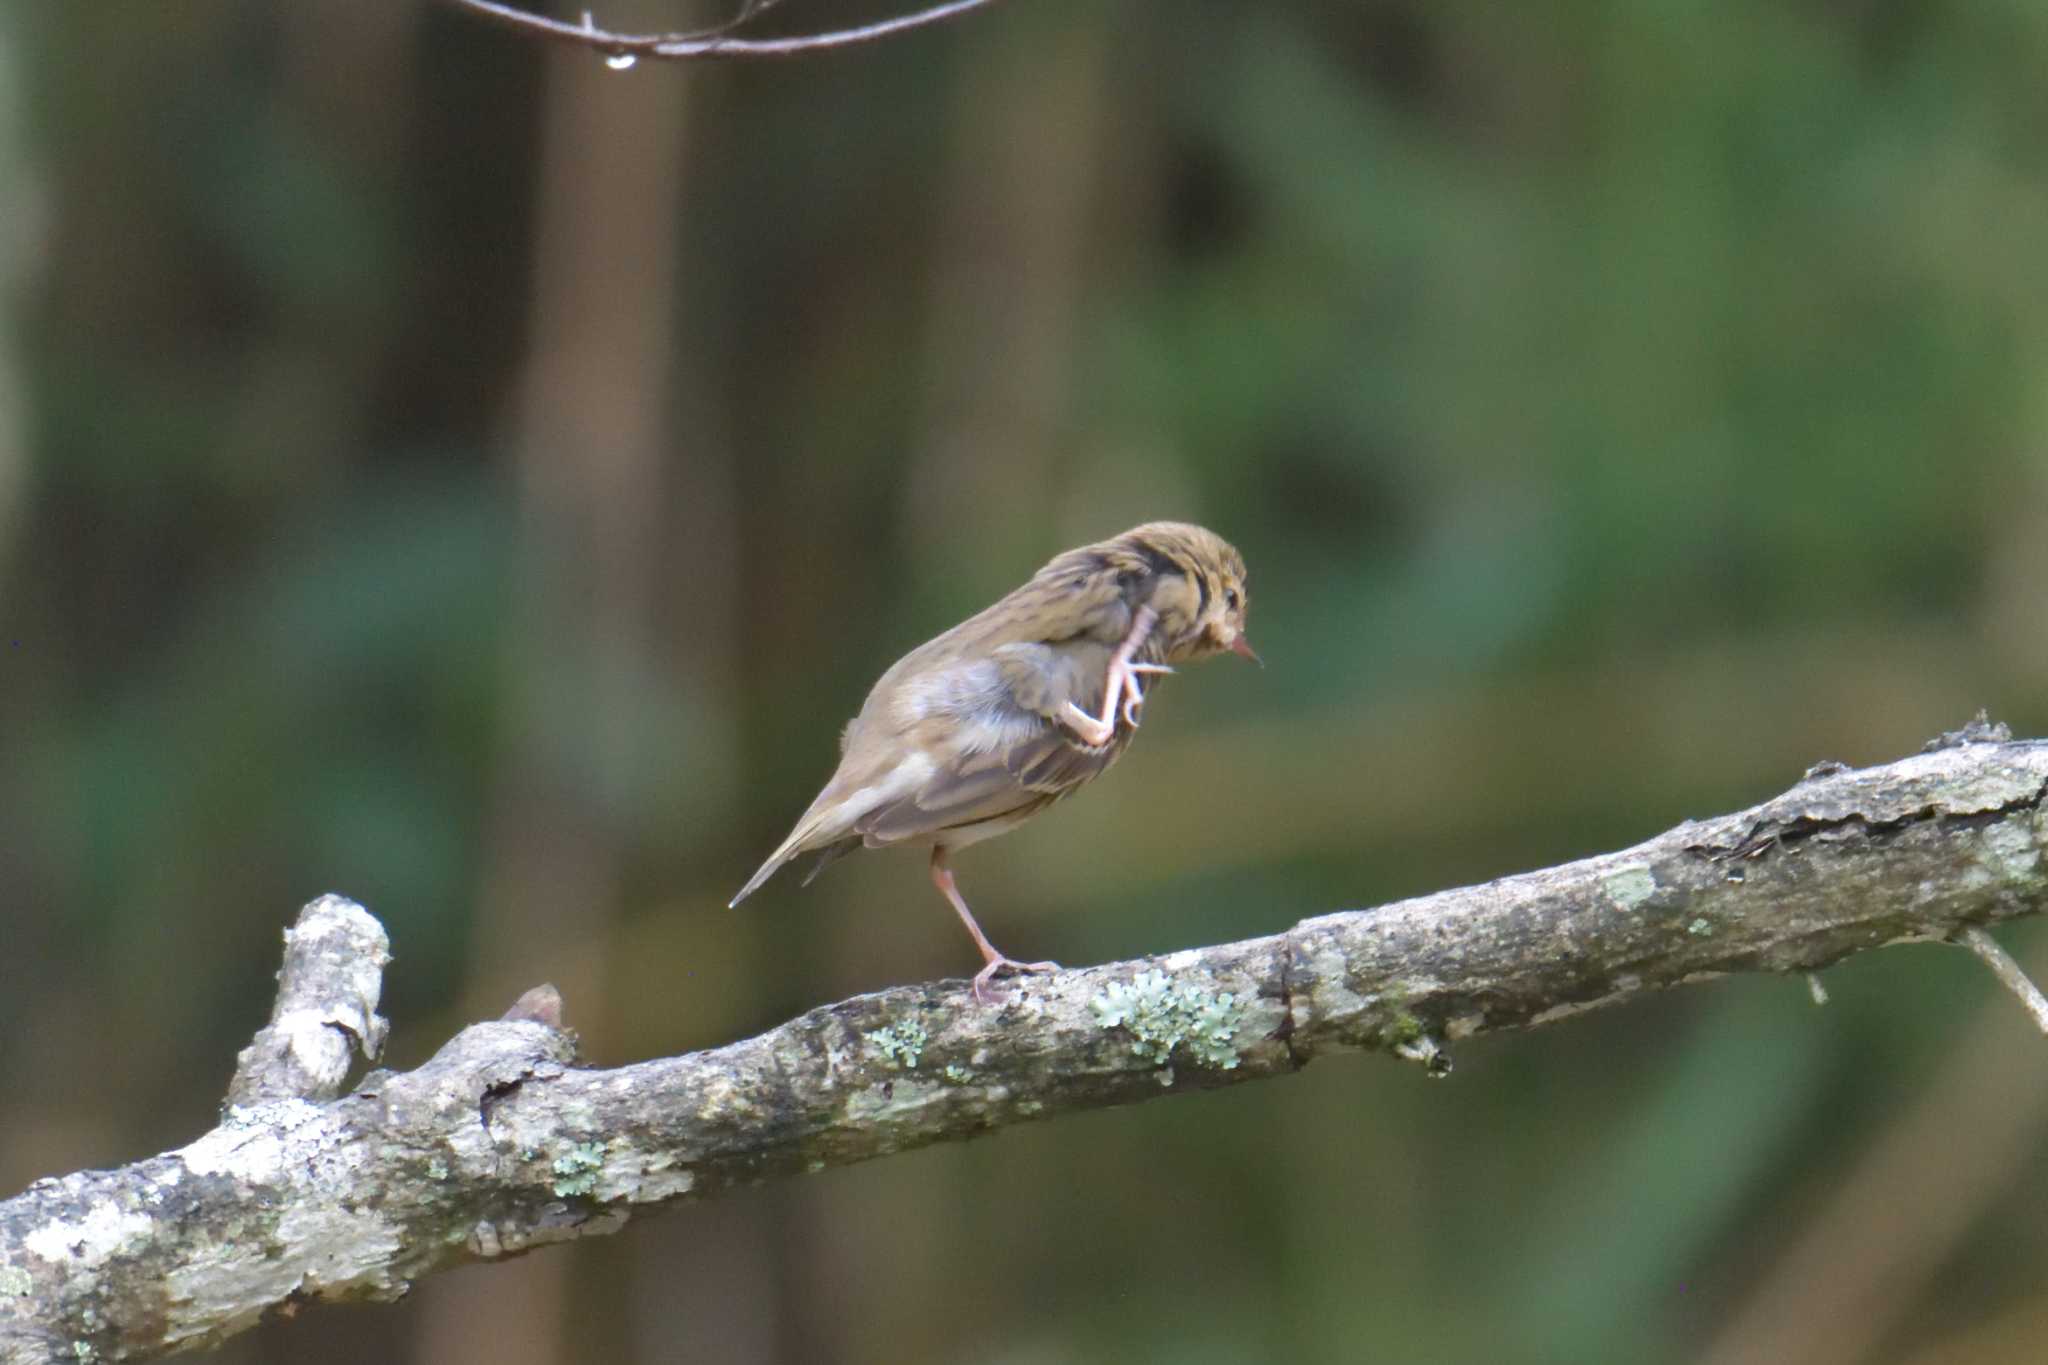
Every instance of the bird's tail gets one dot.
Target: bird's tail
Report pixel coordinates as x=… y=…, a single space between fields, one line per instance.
x=813 y=831
x=767 y=870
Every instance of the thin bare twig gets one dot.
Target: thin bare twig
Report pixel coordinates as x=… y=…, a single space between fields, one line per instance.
x=622 y=49
x=2009 y=973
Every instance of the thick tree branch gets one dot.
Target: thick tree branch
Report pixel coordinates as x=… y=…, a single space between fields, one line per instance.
x=501 y=1143
x=623 y=49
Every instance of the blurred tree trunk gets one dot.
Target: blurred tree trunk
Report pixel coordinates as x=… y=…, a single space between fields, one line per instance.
x=984 y=480
x=20 y=252
x=1007 y=289
x=595 y=454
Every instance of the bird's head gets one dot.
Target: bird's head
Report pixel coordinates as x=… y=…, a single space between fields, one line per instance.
x=1198 y=589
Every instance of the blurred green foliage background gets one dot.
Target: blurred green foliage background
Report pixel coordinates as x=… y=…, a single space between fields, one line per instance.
x=438 y=469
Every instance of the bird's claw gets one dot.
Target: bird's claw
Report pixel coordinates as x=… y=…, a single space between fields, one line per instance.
x=1127 y=697
x=1134 y=696
x=1000 y=963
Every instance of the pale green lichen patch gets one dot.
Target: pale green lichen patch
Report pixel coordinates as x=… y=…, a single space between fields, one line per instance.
x=900 y=1044
x=957 y=1074
x=105 y=1230
x=2011 y=853
x=1699 y=928
x=254 y=1142
x=15 y=1282
x=641 y=1175
x=1630 y=886
x=1402 y=1027
x=1990 y=790
x=1162 y=1013
x=576 y=1170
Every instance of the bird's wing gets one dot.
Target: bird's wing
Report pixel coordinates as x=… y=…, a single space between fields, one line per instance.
x=951 y=743
x=1001 y=752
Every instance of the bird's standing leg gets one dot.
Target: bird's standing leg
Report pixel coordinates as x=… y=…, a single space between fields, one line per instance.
x=942 y=877
x=1121 y=695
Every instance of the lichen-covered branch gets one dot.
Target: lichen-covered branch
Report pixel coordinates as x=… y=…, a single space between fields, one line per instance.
x=501 y=1142
x=326 y=1008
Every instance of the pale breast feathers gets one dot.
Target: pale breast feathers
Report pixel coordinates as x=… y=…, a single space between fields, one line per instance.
x=972 y=700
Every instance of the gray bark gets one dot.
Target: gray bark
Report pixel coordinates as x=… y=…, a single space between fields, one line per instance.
x=501 y=1142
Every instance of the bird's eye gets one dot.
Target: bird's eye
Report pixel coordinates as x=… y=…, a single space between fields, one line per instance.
x=1230 y=598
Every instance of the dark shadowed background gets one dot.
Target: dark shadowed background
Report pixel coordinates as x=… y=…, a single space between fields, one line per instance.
x=438 y=469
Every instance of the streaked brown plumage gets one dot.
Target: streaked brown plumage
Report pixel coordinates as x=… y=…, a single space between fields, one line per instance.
x=973 y=733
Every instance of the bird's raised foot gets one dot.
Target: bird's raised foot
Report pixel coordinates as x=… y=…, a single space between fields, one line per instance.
x=999 y=964
x=1122 y=698
x=1134 y=696
x=1092 y=731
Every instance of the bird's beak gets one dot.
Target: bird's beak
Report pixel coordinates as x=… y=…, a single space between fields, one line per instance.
x=1243 y=649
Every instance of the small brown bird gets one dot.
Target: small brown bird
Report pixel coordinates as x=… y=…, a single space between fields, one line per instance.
x=973 y=733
